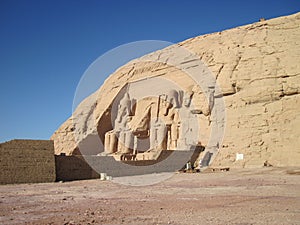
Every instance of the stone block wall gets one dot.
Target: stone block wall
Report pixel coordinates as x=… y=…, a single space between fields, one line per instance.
x=77 y=167
x=33 y=161
x=27 y=161
x=70 y=168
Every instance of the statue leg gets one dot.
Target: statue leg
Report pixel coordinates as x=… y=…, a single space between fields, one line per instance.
x=113 y=142
x=121 y=141
x=106 y=142
x=161 y=137
x=152 y=138
x=109 y=142
x=174 y=136
x=128 y=142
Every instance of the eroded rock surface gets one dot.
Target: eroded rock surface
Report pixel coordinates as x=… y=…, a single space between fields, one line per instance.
x=257 y=68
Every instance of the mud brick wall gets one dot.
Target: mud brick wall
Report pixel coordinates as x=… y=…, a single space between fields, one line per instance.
x=27 y=161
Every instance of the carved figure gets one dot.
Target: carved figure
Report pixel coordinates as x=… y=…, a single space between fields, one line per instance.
x=188 y=130
x=120 y=139
x=168 y=122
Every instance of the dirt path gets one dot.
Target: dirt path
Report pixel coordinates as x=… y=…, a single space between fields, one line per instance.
x=260 y=196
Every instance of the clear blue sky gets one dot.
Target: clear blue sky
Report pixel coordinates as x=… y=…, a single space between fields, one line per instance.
x=46 y=45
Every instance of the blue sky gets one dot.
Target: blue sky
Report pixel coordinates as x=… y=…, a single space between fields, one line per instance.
x=46 y=46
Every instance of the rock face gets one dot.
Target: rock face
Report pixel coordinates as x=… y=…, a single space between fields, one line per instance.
x=257 y=69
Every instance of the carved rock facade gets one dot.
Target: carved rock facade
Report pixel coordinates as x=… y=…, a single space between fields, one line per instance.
x=257 y=68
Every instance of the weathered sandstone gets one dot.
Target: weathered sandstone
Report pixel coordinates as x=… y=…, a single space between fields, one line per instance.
x=257 y=68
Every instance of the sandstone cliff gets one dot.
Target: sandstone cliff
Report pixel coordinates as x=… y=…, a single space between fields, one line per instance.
x=257 y=67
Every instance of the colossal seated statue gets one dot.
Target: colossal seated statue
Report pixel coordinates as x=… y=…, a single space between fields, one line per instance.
x=166 y=122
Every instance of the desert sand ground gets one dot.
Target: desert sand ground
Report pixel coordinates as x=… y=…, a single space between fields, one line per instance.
x=247 y=196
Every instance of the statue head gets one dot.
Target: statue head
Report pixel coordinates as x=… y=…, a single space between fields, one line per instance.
x=125 y=101
x=187 y=97
x=173 y=98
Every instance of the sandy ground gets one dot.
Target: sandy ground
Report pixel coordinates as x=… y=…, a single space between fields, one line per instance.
x=256 y=196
